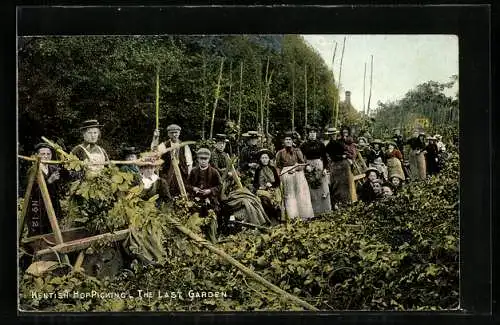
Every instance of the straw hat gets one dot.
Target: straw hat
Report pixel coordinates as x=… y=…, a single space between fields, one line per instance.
x=251 y=134
x=331 y=131
x=431 y=138
x=220 y=137
x=377 y=141
x=90 y=124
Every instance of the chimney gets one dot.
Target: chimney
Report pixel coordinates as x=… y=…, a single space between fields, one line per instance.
x=348 y=97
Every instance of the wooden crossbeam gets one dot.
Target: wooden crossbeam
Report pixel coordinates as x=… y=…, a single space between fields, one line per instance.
x=80 y=244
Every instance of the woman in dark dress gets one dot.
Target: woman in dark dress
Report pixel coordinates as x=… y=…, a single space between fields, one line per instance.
x=432 y=157
x=267 y=184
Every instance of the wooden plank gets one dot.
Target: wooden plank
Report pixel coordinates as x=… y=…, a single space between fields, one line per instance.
x=50 y=211
x=31 y=180
x=69 y=234
x=80 y=244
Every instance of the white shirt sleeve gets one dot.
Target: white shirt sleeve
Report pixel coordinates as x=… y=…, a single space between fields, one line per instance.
x=189 y=158
x=162 y=148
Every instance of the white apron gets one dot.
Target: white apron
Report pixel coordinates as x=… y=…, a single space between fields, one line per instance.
x=296 y=194
x=96 y=160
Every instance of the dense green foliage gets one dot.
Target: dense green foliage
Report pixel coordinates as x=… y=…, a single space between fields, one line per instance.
x=426 y=102
x=64 y=80
x=399 y=253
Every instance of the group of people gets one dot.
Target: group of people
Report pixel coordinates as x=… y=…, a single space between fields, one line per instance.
x=302 y=180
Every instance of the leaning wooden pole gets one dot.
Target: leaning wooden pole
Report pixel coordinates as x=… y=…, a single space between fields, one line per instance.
x=157 y=98
x=230 y=88
x=239 y=103
x=27 y=195
x=334 y=98
x=263 y=96
x=293 y=96
x=371 y=82
x=217 y=95
x=268 y=100
x=205 y=101
x=248 y=272
x=305 y=95
x=339 y=84
x=50 y=210
x=364 y=86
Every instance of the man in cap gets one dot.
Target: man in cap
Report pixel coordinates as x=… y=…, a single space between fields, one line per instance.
x=219 y=157
x=183 y=155
x=89 y=151
x=204 y=186
x=248 y=157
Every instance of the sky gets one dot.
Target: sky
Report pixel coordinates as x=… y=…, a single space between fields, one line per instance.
x=400 y=63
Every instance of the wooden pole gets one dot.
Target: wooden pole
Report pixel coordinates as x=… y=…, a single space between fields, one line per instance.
x=178 y=176
x=230 y=87
x=293 y=97
x=268 y=99
x=263 y=96
x=204 y=243
x=79 y=244
x=217 y=95
x=239 y=104
x=305 y=95
x=371 y=82
x=339 y=84
x=50 y=210
x=364 y=85
x=205 y=101
x=158 y=98
x=27 y=195
x=334 y=98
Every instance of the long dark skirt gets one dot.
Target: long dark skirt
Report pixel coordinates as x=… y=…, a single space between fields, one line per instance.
x=341 y=182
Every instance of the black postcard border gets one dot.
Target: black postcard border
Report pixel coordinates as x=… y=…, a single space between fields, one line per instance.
x=470 y=23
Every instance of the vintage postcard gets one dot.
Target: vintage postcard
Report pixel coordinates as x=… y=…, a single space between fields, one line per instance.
x=238 y=173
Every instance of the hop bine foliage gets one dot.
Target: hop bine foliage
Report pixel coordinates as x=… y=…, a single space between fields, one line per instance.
x=400 y=253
